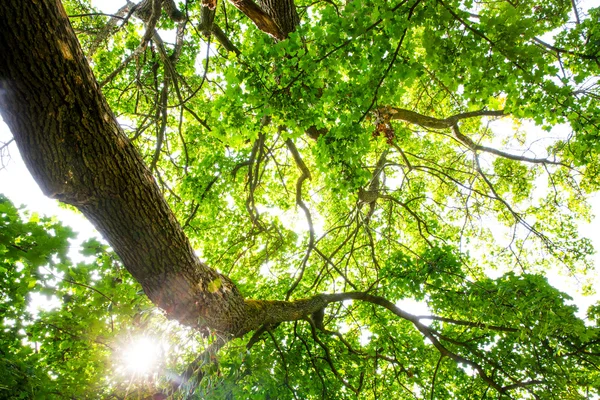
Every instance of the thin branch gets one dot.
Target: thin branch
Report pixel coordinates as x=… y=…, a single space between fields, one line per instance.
x=197 y=118
x=467 y=323
x=329 y=360
x=238 y=166
x=122 y=66
x=388 y=69
x=72 y=335
x=475 y=147
x=576 y=12
x=416 y=216
x=162 y=110
x=559 y=50
x=94 y=14
x=255 y=160
x=340 y=272
x=452 y=122
x=311 y=231
x=256 y=336
x=6 y=144
x=284 y=363
x=523 y=384
x=366 y=30
x=88 y=287
x=425 y=330
x=312 y=361
x=437 y=368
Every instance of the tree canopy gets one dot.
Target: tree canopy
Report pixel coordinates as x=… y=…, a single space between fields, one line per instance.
x=331 y=199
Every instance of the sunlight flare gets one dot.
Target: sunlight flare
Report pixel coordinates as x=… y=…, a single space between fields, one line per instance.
x=141 y=355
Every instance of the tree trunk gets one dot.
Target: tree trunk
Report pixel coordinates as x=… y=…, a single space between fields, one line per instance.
x=76 y=151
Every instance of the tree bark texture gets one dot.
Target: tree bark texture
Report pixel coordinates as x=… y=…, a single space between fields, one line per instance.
x=76 y=151
x=261 y=19
x=283 y=13
x=278 y=18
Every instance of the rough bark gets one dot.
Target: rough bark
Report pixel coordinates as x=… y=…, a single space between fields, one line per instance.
x=277 y=18
x=145 y=9
x=76 y=151
x=262 y=20
x=283 y=13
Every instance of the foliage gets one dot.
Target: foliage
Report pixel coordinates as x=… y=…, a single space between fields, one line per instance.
x=450 y=148
x=61 y=344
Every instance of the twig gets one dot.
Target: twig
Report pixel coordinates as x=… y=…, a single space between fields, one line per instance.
x=437 y=368
x=6 y=144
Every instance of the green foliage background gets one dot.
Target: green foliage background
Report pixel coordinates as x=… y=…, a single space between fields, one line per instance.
x=467 y=228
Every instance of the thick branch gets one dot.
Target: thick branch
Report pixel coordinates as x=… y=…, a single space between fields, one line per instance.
x=108 y=29
x=224 y=40
x=207 y=17
x=261 y=19
x=436 y=123
x=452 y=123
x=273 y=312
x=270 y=312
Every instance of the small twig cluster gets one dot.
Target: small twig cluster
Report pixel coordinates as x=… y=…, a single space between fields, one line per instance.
x=381 y=119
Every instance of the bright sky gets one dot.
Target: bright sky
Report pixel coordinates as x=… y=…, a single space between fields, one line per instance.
x=17 y=184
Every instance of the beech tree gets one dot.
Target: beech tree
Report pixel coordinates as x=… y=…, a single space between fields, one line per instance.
x=291 y=184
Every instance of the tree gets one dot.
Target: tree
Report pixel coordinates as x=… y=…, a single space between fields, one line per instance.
x=381 y=127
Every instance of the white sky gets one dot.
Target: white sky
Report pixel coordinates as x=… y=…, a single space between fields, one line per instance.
x=17 y=184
